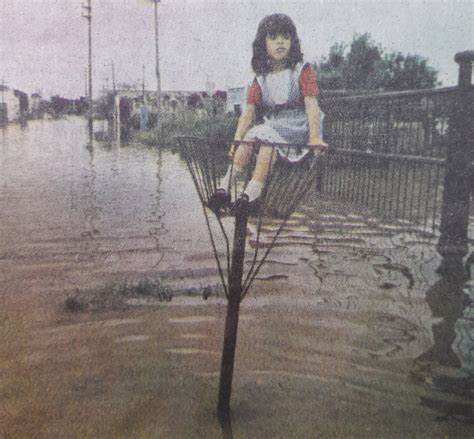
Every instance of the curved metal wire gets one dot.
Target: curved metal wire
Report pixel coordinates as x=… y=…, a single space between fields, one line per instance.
x=253 y=272
x=205 y=183
x=286 y=186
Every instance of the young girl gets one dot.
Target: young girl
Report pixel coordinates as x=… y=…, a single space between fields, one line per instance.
x=284 y=92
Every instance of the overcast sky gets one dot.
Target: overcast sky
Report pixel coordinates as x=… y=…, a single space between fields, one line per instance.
x=43 y=43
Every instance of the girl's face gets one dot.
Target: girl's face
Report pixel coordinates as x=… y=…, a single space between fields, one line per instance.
x=278 y=46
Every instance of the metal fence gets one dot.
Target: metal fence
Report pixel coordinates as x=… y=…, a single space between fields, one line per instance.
x=389 y=151
x=404 y=123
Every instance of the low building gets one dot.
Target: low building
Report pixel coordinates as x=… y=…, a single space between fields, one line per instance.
x=235 y=99
x=10 y=101
x=174 y=104
x=35 y=107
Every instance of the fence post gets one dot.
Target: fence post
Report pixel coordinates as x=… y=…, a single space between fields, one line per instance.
x=457 y=191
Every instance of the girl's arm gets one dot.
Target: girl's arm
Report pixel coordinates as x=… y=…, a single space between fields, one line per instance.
x=245 y=122
x=313 y=115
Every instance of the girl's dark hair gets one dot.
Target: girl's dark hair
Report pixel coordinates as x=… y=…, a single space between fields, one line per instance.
x=273 y=25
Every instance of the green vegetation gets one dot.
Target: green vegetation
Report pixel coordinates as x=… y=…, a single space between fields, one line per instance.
x=117 y=296
x=366 y=66
x=219 y=128
x=147 y=288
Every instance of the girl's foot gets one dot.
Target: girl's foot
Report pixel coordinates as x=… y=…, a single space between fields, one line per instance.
x=219 y=200
x=253 y=207
x=253 y=190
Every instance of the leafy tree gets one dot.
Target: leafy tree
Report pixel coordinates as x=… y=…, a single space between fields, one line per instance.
x=408 y=72
x=366 y=66
x=195 y=101
x=331 y=69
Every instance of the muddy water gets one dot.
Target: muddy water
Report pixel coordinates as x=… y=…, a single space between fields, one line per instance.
x=349 y=330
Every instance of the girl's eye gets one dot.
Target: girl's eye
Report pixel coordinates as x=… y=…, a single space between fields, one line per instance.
x=275 y=36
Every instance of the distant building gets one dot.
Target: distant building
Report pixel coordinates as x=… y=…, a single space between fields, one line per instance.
x=235 y=99
x=10 y=101
x=210 y=87
x=173 y=103
x=35 y=101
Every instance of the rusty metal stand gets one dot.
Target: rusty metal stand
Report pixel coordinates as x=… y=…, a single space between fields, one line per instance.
x=232 y=317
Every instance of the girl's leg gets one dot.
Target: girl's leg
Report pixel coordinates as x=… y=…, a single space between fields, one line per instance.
x=240 y=161
x=242 y=156
x=265 y=159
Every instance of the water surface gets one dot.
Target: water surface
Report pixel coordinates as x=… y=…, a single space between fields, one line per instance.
x=350 y=329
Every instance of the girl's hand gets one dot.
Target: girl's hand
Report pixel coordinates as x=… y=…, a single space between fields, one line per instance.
x=319 y=147
x=232 y=149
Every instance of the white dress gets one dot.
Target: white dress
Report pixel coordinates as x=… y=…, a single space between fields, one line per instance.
x=284 y=115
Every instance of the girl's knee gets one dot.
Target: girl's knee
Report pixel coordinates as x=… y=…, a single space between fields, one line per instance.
x=266 y=154
x=246 y=149
x=242 y=155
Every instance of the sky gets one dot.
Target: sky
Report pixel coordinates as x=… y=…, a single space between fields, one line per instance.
x=43 y=43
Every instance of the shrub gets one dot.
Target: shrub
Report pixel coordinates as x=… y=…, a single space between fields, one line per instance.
x=218 y=128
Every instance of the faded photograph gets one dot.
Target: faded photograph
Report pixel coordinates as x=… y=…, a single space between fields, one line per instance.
x=236 y=219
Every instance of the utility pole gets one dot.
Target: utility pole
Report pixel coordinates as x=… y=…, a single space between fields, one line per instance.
x=158 y=79
x=113 y=77
x=115 y=109
x=86 y=85
x=111 y=65
x=87 y=14
x=143 y=83
x=3 y=110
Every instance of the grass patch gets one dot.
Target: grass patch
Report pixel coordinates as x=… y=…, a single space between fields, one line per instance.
x=117 y=296
x=148 y=288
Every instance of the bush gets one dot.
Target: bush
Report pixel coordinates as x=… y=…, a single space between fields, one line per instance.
x=218 y=128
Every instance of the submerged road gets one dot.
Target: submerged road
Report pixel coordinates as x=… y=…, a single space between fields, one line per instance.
x=350 y=330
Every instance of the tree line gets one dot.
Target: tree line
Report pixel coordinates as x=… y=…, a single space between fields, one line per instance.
x=365 y=65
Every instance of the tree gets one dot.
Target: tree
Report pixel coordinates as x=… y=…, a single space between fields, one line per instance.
x=408 y=72
x=366 y=66
x=331 y=69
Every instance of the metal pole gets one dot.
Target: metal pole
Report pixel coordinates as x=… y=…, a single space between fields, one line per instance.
x=3 y=110
x=88 y=17
x=232 y=317
x=157 y=68
x=143 y=83
x=113 y=77
x=115 y=111
x=86 y=85
x=460 y=154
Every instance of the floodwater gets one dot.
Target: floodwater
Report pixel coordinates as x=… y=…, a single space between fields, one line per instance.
x=350 y=329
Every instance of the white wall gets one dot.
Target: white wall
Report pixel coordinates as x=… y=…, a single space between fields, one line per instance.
x=235 y=96
x=13 y=104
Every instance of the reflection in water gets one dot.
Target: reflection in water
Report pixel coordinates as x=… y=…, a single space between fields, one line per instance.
x=91 y=208
x=352 y=301
x=449 y=363
x=94 y=206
